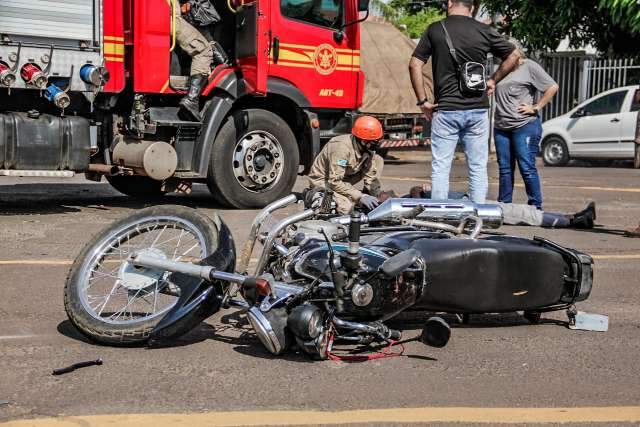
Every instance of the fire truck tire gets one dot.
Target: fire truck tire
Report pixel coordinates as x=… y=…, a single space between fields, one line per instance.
x=254 y=160
x=137 y=186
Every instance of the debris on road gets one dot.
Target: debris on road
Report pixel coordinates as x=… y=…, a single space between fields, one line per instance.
x=75 y=366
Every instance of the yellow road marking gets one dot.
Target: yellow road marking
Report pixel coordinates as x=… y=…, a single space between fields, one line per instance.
x=612 y=414
x=428 y=181
x=622 y=257
x=36 y=262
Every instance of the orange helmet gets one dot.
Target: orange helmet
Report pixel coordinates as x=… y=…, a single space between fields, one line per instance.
x=367 y=128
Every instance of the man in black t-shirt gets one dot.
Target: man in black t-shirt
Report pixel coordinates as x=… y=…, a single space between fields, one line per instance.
x=458 y=116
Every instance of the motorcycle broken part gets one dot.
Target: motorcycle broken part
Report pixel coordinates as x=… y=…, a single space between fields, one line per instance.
x=75 y=366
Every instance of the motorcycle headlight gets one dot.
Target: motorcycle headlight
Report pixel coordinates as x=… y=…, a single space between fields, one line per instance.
x=270 y=328
x=305 y=321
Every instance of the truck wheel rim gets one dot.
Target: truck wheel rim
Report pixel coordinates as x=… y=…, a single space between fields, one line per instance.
x=554 y=152
x=104 y=291
x=258 y=161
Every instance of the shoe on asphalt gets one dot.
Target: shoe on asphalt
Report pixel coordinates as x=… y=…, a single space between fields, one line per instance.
x=635 y=232
x=583 y=220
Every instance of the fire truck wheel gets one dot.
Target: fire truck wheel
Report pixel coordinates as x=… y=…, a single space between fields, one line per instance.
x=137 y=186
x=254 y=160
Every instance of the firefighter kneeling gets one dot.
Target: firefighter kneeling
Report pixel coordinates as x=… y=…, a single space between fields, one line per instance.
x=345 y=161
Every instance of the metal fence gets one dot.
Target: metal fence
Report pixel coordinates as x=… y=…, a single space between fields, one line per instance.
x=581 y=76
x=604 y=74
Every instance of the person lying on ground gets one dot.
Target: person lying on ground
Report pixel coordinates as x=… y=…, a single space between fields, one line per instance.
x=521 y=214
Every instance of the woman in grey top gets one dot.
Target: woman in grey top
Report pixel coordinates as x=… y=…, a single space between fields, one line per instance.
x=518 y=127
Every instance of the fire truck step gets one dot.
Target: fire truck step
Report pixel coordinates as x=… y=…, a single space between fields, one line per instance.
x=179 y=82
x=36 y=174
x=168 y=116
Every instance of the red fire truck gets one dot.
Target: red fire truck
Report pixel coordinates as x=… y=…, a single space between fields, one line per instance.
x=92 y=86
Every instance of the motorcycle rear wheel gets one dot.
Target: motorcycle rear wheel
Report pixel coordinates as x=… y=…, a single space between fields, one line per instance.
x=112 y=302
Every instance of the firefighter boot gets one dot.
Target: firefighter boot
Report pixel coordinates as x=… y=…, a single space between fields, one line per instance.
x=219 y=55
x=190 y=104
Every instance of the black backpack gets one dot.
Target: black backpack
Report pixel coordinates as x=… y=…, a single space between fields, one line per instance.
x=202 y=13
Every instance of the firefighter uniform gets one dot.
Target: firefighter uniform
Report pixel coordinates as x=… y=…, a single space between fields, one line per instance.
x=194 y=44
x=342 y=164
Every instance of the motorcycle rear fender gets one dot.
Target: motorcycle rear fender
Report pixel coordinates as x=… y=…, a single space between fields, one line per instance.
x=198 y=299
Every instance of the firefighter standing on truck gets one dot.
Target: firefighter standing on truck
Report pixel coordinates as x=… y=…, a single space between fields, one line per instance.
x=348 y=159
x=196 y=45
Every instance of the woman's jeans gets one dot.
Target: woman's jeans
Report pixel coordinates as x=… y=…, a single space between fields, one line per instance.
x=521 y=145
x=471 y=127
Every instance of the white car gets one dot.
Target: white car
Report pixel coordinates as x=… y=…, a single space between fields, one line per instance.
x=602 y=127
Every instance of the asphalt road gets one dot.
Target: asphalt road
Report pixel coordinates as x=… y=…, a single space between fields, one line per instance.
x=496 y=361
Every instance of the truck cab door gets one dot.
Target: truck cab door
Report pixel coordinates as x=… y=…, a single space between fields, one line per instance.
x=253 y=44
x=312 y=53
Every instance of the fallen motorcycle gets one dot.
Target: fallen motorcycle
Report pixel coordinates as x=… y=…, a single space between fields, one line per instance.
x=320 y=278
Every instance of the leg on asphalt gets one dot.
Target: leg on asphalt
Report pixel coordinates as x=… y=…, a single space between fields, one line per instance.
x=525 y=142
x=475 y=137
x=506 y=165
x=445 y=133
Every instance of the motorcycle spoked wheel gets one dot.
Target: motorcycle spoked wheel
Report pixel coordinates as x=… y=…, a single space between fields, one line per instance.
x=112 y=302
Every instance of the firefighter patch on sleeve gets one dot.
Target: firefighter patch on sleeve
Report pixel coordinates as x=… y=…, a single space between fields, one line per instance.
x=342 y=163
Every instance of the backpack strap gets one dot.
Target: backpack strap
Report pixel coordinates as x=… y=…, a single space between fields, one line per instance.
x=452 y=50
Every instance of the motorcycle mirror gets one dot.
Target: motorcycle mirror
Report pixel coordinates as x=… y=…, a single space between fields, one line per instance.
x=436 y=332
x=395 y=265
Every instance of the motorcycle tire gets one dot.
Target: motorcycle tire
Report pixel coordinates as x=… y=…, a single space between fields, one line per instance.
x=96 y=253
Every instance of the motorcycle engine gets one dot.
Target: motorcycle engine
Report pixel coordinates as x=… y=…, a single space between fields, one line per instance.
x=306 y=231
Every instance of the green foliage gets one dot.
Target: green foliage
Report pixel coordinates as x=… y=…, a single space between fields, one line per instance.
x=412 y=24
x=625 y=13
x=612 y=26
x=416 y=24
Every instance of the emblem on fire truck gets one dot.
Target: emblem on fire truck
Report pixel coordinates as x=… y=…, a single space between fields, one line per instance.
x=325 y=59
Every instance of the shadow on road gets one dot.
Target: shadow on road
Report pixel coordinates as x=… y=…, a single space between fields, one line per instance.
x=43 y=199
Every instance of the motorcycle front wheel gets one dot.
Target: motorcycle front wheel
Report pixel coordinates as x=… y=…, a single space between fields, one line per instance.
x=113 y=302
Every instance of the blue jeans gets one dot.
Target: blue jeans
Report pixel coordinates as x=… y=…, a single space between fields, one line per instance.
x=472 y=128
x=521 y=145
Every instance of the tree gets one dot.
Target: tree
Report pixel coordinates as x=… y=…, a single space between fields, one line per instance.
x=625 y=13
x=409 y=19
x=612 y=26
x=414 y=25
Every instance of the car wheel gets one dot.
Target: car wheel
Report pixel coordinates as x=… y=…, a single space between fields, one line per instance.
x=636 y=157
x=555 y=152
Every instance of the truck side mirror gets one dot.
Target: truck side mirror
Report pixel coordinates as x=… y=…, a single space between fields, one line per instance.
x=363 y=5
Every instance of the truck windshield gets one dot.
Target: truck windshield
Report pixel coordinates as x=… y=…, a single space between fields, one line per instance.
x=327 y=13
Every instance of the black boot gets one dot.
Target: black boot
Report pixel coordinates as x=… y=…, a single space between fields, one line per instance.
x=190 y=104
x=584 y=219
x=219 y=55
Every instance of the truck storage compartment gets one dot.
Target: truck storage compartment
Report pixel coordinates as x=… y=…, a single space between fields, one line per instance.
x=53 y=19
x=31 y=141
